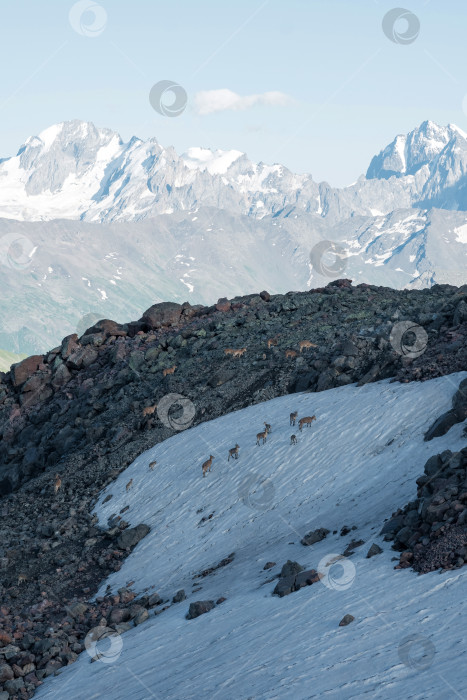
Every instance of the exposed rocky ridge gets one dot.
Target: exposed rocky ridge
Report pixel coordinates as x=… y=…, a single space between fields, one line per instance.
x=77 y=411
x=431 y=531
x=92 y=390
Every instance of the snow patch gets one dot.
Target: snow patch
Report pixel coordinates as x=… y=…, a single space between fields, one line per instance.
x=255 y=645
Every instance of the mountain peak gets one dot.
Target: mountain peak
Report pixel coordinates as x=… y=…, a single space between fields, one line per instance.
x=410 y=152
x=66 y=132
x=75 y=170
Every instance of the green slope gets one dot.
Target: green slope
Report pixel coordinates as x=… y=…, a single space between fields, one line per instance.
x=7 y=359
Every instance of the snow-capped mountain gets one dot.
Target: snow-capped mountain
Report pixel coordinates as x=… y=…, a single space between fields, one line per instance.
x=74 y=170
x=408 y=153
x=406 y=638
x=151 y=225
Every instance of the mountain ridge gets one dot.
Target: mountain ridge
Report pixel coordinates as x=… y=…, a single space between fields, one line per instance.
x=78 y=171
x=150 y=225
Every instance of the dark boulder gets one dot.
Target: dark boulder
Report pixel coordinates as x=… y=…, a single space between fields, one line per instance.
x=441 y=425
x=284 y=586
x=131 y=536
x=373 y=551
x=179 y=596
x=346 y=620
x=291 y=568
x=200 y=607
x=314 y=536
x=306 y=578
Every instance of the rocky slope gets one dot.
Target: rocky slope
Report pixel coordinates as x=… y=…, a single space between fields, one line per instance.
x=431 y=531
x=92 y=389
x=77 y=413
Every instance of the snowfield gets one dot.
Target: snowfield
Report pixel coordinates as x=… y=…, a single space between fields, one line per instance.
x=354 y=466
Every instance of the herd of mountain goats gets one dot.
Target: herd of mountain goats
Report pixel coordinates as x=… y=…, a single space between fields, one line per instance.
x=262 y=437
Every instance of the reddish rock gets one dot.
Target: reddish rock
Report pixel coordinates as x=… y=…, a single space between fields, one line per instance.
x=5 y=639
x=26 y=368
x=105 y=327
x=165 y=314
x=69 y=345
x=265 y=296
x=223 y=305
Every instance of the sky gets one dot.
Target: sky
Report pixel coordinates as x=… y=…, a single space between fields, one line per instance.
x=316 y=85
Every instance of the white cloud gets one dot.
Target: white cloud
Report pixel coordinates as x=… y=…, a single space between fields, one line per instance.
x=209 y=101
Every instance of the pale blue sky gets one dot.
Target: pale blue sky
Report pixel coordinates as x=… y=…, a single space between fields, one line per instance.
x=353 y=90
